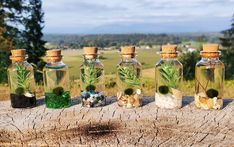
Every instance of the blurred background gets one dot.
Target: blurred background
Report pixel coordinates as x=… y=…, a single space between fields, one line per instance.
x=72 y=24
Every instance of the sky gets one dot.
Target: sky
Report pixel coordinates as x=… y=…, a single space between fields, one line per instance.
x=136 y=16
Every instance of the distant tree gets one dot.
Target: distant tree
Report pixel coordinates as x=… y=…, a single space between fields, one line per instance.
x=33 y=31
x=11 y=14
x=189 y=61
x=227 y=41
x=33 y=36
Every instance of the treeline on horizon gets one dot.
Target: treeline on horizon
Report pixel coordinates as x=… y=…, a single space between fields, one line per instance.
x=117 y=40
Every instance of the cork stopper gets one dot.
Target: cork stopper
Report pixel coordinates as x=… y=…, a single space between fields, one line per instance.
x=210 y=48
x=169 y=51
x=54 y=55
x=210 y=51
x=18 y=55
x=90 y=52
x=128 y=51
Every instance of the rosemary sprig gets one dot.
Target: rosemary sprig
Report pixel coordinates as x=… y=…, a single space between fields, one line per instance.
x=91 y=74
x=129 y=75
x=22 y=77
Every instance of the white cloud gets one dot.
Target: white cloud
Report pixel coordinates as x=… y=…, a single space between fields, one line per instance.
x=79 y=14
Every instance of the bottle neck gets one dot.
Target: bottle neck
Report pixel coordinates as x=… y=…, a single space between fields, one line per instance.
x=210 y=58
x=19 y=62
x=128 y=59
x=169 y=59
x=55 y=63
x=87 y=59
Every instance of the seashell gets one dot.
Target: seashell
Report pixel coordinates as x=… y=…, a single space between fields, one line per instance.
x=197 y=101
x=202 y=94
x=210 y=103
x=122 y=103
x=177 y=93
x=131 y=100
x=218 y=103
x=129 y=105
x=138 y=101
x=203 y=103
x=119 y=95
x=203 y=100
x=138 y=91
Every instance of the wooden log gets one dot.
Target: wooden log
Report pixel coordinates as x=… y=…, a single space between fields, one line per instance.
x=115 y=126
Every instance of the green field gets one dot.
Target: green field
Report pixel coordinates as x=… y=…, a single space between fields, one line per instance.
x=110 y=59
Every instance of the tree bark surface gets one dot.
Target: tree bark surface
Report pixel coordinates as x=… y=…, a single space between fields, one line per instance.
x=115 y=126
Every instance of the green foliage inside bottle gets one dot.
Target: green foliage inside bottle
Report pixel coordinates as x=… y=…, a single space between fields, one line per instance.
x=58 y=98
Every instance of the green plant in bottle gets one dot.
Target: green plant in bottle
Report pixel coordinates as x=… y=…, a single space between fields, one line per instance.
x=56 y=81
x=92 y=79
x=21 y=81
x=209 y=76
x=129 y=93
x=168 y=76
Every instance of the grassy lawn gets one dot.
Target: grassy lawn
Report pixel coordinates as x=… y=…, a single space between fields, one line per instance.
x=110 y=59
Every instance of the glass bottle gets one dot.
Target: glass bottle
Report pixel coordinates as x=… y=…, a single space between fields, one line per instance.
x=92 y=79
x=21 y=80
x=168 y=79
x=209 y=76
x=56 y=81
x=129 y=93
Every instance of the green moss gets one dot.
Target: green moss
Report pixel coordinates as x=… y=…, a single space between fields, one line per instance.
x=90 y=88
x=128 y=91
x=211 y=93
x=19 y=91
x=55 y=101
x=58 y=90
x=163 y=89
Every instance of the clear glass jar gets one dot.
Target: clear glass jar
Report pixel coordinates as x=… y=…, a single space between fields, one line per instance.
x=92 y=79
x=56 y=81
x=209 y=75
x=129 y=84
x=168 y=79
x=21 y=81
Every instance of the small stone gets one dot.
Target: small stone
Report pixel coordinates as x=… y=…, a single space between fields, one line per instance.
x=27 y=94
x=177 y=93
x=167 y=101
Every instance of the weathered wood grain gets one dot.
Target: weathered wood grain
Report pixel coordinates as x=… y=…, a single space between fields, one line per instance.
x=115 y=126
